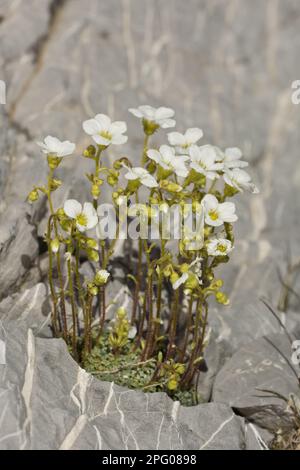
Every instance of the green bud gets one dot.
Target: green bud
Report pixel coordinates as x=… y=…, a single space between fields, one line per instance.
x=54 y=184
x=93 y=255
x=90 y=152
x=33 y=196
x=150 y=127
x=95 y=191
x=53 y=161
x=91 y=243
x=93 y=290
x=54 y=244
x=222 y=298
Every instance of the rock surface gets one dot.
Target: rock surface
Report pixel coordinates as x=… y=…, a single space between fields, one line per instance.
x=38 y=374
x=62 y=63
x=248 y=379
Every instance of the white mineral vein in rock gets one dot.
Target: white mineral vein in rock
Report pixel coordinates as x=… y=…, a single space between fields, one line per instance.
x=28 y=383
x=75 y=432
x=217 y=432
x=2 y=352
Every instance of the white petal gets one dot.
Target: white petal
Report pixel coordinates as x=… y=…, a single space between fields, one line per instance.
x=167 y=152
x=66 y=148
x=136 y=112
x=233 y=153
x=193 y=135
x=175 y=138
x=91 y=127
x=195 y=153
x=101 y=140
x=119 y=139
x=104 y=121
x=89 y=210
x=149 y=181
x=131 y=175
x=210 y=202
x=72 y=208
x=154 y=155
x=118 y=127
x=52 y=143
x=164 y=113
x=166 y=123
x=43 y=146
x=147 y=111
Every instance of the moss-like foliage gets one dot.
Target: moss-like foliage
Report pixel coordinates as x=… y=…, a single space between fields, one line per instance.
x=127 y=370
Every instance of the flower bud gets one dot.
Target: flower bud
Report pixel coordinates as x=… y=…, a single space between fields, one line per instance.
x=95 y=191
x=101 y=277
x=91 y=243
x=170 y=186
x=222 y=298
x=33 y=196
x=93 y=255
x=54 y=244
x=93 y=290
x=54 y=184
x=90 y=152
x=53 y=161
x=150 y=127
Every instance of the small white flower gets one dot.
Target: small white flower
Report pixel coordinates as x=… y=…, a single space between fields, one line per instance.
x=215 y=213
x=231 y=158
x=160 y=116
x=101 y=277
x=219 y=247
x=53 y=146
x=194 y=269
x=138 y=173
x=167 y=159
x=86 y=217
x=182 y=142
x=203 y=160
x=104 y=132
x=240 y=180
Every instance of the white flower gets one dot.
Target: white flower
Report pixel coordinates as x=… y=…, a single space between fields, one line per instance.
x=166 y=158
x=231 y=158
x=182 y=142
x=138 y=173
x=160 y=116
x=53 y=146
x=215 y=213
x=194 y=269
x=203 y=160
x=101 y=277
x=104 y=132
x=240 y=180
x=219 y=247
x=85 y=217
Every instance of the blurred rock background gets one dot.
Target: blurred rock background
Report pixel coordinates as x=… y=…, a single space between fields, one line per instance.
x=226 y=66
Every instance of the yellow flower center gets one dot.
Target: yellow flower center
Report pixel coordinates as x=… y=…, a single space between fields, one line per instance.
x=213 y=214
x=106 y=135
x=221 y=248
x=81 y=219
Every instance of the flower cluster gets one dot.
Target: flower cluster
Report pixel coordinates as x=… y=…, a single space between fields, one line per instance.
x=201 y=180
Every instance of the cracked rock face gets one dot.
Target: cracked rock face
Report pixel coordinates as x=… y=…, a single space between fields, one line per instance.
x=38 y=375
x=216 y=72
x=248 y=379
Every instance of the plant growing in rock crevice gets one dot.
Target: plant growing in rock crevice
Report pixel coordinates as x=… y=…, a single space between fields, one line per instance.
x=175 y=207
